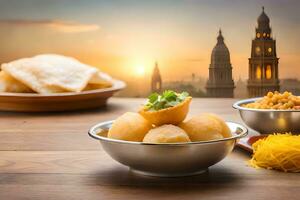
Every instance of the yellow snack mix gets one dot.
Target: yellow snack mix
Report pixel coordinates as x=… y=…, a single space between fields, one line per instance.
x=276 y=101
x=277 y=151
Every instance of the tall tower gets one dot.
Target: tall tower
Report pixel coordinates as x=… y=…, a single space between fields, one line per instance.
x=263 y=64
x=220 y=82
x=156 y=82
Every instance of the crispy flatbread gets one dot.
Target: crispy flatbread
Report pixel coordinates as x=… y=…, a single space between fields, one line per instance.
x=91 y=86
x=50 y=73
x=32 y=74
x=98 y=79
x=9 y=84
x=101 y=79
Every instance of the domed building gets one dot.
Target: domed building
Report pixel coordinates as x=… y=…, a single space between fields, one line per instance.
x=220 y=82
x=263 y=64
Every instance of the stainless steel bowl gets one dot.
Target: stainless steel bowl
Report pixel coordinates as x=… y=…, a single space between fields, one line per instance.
x=168 y=160
x=269 y=121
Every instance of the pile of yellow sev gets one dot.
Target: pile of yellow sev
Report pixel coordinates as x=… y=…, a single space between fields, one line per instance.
x=277 y=151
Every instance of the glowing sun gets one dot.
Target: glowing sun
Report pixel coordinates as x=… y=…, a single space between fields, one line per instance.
x=140 y=70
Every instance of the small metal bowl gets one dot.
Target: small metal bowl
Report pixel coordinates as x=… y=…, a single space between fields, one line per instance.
x=171 y=159
x=266 y=121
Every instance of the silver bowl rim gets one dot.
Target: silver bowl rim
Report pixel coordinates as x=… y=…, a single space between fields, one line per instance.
x=93 y=133
x=237 y=105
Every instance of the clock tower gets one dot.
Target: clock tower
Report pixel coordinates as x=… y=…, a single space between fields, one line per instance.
x=263 y=64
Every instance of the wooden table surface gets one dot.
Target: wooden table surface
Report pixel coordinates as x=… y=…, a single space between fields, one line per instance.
x=50 y=156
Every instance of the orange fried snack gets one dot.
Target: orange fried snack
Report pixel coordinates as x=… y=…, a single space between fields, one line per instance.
x=172 y=115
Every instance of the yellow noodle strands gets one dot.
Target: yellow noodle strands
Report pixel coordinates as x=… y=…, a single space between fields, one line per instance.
x=277 y=151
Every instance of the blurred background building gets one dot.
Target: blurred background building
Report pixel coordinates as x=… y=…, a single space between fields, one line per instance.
x=220 y=82
x=156 y=81
x=263 y=64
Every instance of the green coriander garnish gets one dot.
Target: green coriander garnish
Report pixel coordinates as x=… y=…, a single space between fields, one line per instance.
x=168 y=99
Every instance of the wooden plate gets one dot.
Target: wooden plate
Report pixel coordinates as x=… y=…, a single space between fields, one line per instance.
x=26 y=102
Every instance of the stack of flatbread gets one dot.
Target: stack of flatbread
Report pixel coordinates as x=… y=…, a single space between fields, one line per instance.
x=50 y=73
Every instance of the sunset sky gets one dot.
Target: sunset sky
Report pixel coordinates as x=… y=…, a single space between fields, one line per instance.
x=125 y=38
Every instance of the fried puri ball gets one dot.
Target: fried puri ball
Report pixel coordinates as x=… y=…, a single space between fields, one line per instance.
x=172 y=115
x=225 y=129
x=166 y=134
x=205 y=127
x=129 y=126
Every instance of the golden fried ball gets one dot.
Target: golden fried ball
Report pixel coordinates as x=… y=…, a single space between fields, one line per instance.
x=166 y=134
x=129 y=126
x=225 y=129
x=202 y=128
x=173 y=115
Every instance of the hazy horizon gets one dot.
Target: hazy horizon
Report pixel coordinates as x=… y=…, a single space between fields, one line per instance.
x=125 y=38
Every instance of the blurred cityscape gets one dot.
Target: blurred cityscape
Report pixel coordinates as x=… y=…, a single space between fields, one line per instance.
x=263 y=73
x=195 y=85
x=209 y=48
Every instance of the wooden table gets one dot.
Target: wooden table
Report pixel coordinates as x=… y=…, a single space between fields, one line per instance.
x=50 y=156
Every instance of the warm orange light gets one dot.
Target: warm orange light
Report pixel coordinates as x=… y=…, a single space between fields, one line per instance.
x=268 y=72
x=269 y=49
x=257 y=50
x=258 y=72
x=140 y=70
